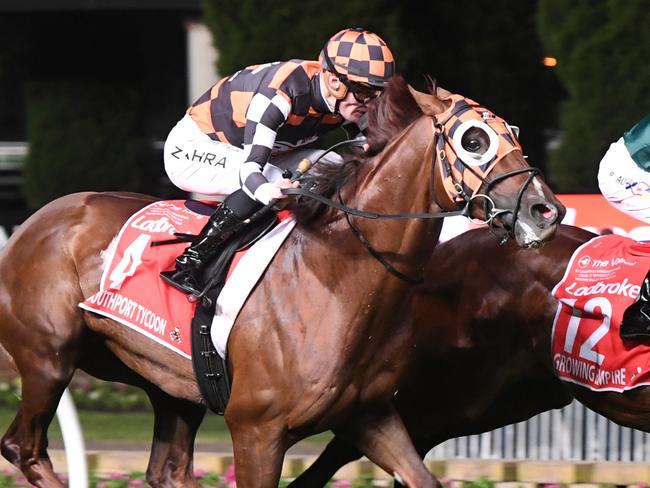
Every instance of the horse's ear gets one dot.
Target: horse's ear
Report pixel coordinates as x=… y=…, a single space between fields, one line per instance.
x=425 y=101
x=431 y=84
x=431 y=103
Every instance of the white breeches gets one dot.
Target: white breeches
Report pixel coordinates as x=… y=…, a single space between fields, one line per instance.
x=195 y=163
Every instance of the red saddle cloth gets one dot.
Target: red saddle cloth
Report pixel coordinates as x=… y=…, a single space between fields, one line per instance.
x=131 y=291
x=603 y=278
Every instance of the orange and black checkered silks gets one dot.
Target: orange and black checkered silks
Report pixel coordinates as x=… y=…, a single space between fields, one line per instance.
x=223 y=111
x=454 y=171
x=267 y=110
x=360 y=56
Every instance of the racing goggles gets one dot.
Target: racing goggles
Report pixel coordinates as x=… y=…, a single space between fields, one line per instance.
x=362 y=94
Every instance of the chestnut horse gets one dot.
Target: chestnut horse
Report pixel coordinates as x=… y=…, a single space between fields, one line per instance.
x=484 y=324
x=312 y=349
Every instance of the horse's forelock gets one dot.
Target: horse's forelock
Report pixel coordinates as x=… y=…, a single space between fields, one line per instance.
x=395 y=110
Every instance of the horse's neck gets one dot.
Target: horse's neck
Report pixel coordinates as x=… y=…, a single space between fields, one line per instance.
x=331 y=259
x=398 y=179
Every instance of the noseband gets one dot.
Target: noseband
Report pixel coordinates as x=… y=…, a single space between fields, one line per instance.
x=492 y=211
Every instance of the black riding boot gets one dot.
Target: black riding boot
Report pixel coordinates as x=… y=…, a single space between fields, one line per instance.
x=636 y=318
x=189 y=265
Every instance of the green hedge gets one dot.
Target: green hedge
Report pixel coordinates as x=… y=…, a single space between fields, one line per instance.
x=88 y=394
x=83 y=136
x=602 y=50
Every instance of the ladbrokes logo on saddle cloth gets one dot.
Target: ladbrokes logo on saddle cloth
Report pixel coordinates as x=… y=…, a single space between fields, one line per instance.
x=132 y=293
x=603 y=278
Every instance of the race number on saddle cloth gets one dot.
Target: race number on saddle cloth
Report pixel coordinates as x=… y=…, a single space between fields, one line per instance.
x=132 y=293
x=600 y=282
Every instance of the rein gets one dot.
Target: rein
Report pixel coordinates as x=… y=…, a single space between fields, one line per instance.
x=347 y=211
x=371 y=215
x=361 y=213
x=441 y=141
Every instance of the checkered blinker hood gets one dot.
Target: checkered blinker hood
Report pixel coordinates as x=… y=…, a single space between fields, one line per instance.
x=463 y=172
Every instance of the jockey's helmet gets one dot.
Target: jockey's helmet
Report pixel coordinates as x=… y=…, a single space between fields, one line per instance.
x=359 y=57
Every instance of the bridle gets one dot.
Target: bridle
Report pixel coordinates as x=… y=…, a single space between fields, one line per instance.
x=461 y=180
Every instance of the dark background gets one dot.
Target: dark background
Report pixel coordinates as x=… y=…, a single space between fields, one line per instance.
x=93 y=85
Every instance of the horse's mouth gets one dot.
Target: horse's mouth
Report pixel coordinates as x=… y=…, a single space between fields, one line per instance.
x=538 y=225
x=530 y=237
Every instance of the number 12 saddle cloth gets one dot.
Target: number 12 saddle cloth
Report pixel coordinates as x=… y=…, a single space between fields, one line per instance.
x=603 y=278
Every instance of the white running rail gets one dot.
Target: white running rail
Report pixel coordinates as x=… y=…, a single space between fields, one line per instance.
x=573 y=433
x=73 y=441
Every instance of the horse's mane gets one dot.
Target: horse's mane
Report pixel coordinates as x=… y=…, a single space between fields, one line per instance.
x=389 y=115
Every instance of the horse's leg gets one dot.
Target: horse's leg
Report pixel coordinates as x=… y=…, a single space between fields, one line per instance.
x=381 y=435
x=423 y=446
x=175 y=421
x=630 y=409
x=172 y=449
x=25 y=442
x=337 y=454
x=258 y=449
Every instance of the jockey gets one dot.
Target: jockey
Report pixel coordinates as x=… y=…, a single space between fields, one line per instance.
x=624 y=172
x=238 y=137
x=624 y=180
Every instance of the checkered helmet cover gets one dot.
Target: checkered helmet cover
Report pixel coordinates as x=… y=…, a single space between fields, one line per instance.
x=360 y=56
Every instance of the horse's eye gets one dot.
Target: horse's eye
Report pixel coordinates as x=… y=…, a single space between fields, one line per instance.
x=475 y=140
x=472 y=145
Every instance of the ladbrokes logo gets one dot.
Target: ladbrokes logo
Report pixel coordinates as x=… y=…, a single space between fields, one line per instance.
x=624 y=288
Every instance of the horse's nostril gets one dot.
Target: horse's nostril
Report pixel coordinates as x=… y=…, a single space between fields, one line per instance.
x=544 y=213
